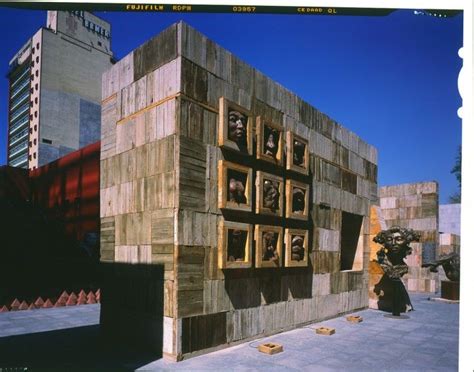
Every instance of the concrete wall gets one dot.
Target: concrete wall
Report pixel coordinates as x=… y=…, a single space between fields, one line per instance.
x=159 y=195
x=450 y=218
x=75 y=26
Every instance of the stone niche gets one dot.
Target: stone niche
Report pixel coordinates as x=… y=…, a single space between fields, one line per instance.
x=252 y=205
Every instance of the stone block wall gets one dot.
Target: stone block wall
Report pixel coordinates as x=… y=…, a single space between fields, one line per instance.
x=159 y=195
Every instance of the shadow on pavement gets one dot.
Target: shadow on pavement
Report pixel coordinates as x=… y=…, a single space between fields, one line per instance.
x=67 y=349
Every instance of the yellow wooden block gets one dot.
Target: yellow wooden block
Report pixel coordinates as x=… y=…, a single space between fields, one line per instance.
x=270 y=348
x=327 y=331
x=354 y=318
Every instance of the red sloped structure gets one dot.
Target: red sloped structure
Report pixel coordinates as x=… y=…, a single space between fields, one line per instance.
x=68 y=188
x=51 y=223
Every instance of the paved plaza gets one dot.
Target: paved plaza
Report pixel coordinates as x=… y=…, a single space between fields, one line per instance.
x=69 y=337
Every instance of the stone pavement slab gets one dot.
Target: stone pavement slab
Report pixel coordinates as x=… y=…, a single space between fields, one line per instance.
x=70 y=337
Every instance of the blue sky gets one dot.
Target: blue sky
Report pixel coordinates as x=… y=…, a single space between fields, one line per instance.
x=392 y=80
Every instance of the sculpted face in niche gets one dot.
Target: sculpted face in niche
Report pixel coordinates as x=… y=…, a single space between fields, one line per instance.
x=236 y=241
x=297 y=248
x=298 y=153
x=271 y=195
x=298 y=200
x=271 y=139
x=236 y=191
x=237 y=129
x=269 y=245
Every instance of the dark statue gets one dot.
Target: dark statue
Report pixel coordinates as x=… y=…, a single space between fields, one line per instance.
x=236 y=189
x=271 y=138
x=237 y=129
x=271 y=195
x=297 y=248
x=270 y=240
x=236 y=241
x=298 y=200
x=450 y=264
x=298 y=153
x=391 y=257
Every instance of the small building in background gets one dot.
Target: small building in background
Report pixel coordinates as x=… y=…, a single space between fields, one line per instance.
x=55 y=88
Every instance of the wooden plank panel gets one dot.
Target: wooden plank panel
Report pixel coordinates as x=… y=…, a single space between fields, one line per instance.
x=356 y=164
x=108 y=127
x=126 y=136
x=193 y=45
x=194 y=81
x=161 y=156
x=326 y=194
x=189 y=302
x=162 y=226
x=242 y=75
x=201 y=332
x=126 y=166
x=133 y=229
x=155 y=52
x=142 y=158
x=126 y=71
x=110 y=84
x=326 y=262
x=153 y=192
x=108 y=205
x=329 y=240
x=169 y=298
x=321 y=285
x=163 y=254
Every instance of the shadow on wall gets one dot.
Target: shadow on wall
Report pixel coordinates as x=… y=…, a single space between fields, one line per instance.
x=131 y=315
x=254 y=287
x=130 y=334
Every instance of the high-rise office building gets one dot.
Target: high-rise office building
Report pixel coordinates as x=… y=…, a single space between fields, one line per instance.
x=55 y=88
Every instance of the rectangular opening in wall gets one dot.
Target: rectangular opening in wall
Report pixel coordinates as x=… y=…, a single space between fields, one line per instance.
x=351 y=242
x=48 y=141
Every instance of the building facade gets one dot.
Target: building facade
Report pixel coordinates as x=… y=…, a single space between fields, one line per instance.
x=55 y=88
x=253 y=235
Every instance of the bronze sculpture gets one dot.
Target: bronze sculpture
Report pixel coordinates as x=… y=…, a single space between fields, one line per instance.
x=271 y=195
x=391 y=257
x=298 y=200
x=236 y=245
x=271 y=141
x=237 y=183
x=297 y=248
x=299 y=149
x=237 y=129
x=450 y=264
x=270 y=252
